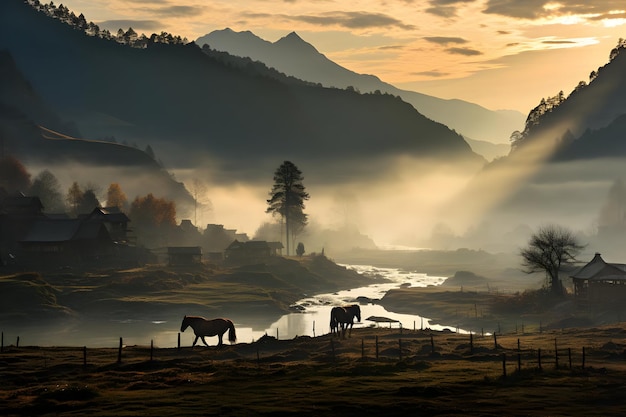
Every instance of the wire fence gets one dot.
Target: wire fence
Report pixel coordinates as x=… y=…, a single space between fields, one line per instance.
x=509 y=353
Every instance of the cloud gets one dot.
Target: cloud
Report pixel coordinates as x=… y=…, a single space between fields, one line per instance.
x=352 y=20
x=434 y=73
x=464 y=51
x=559 y=42
x=445 y=8
x=178 y=11
x=445 y=40
x=535 y=9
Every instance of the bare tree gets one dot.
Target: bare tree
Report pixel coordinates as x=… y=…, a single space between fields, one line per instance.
x=550 y=248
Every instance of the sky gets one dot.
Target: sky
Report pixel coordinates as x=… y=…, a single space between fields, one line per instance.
x=500 y=54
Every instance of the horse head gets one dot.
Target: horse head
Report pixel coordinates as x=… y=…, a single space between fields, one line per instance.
x=357 y=312
x=185 y=324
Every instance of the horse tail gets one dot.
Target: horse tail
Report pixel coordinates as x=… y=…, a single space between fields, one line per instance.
x=232 y=336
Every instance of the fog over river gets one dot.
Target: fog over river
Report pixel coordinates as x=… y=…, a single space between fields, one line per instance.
x=311 y=317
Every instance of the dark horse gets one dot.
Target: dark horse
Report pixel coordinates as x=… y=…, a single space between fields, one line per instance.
x=203 y=327
x=343 y=317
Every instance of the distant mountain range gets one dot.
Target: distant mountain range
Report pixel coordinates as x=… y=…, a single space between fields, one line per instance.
x=200 y=111
x=293 y=56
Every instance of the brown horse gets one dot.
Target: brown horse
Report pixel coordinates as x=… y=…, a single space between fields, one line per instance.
x=342 y=317
x=203 y=327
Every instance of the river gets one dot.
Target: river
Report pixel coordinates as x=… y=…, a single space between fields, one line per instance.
x=311 y=318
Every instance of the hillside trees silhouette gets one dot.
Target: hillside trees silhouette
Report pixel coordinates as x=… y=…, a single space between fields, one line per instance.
x=287 y=199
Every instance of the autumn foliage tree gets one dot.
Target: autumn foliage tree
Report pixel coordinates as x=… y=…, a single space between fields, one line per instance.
x=116 y=197
x=13 y=175
x=153 y=219
x=79 y=201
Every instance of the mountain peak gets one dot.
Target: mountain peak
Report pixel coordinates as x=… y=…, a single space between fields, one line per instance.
x=294 y=42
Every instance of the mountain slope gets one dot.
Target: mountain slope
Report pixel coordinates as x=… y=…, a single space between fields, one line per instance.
x=294 y=56
x=563 y=164
x=192 y=108
x=30 y=126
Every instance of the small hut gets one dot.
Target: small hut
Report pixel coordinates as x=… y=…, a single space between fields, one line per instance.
x=600 y=283
x=184 y=255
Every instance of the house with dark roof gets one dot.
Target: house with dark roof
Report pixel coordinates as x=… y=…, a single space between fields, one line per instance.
x=66 y=242
x=600 y=283
x=251 y=252
x=115 y=220
x=184 y=255
x=17 y=213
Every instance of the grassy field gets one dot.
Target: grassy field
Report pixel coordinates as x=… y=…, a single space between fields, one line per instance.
x=376 y=371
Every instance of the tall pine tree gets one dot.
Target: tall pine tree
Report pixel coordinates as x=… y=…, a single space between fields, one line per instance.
x=287 y=199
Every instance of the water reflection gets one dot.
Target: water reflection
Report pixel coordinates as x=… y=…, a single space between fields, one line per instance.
x=312 y=319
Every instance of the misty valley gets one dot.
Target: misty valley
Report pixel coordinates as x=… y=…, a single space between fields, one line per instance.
x=147 y=178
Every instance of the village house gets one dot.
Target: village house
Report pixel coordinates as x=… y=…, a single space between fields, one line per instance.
x=251 y=252
x=66 y=242
x=599 y=283
x=17 y=214
x=184 y=255
x=115 y=220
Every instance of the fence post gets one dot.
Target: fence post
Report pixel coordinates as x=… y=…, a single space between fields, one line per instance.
x=17 y=344
x=277 y=333
x=495 y=340
x=432 y=344
x=313 y=328
x=119 y=352
x=151 y=349
x=471 y=343
x=569 y=356
x=556 y=355
x=178 y=340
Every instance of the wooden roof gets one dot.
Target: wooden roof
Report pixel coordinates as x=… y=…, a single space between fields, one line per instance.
x=63 y=230
x=599 y=270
